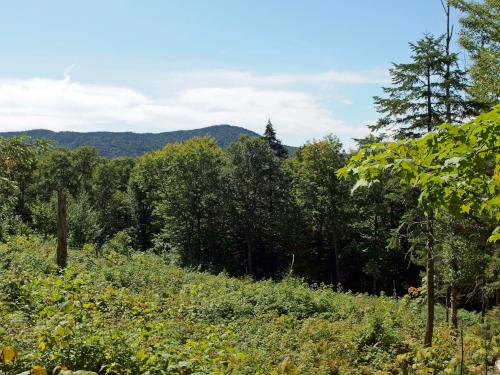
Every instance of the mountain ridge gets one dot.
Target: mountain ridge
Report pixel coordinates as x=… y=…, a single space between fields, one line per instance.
x=115 y=144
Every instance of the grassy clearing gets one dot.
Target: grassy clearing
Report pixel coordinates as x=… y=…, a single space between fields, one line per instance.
x=121 y=314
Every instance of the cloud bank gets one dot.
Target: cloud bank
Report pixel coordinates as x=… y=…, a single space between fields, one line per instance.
x=196 y=99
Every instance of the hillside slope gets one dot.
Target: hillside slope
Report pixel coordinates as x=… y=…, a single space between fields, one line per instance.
x=111 y=144
x=135 y=314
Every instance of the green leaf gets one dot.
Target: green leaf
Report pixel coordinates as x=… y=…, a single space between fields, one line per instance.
x=455 y=161
x=360 y=183
x=465 y=208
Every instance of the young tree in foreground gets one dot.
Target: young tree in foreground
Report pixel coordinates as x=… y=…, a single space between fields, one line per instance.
x=456 y=168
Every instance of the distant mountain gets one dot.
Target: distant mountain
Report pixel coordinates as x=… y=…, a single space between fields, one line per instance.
x=111 y=144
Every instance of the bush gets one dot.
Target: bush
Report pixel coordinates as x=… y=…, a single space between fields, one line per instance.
x=120 y=243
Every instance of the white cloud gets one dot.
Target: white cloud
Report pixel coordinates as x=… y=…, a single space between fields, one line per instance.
x=199 y=99
x=244 y=78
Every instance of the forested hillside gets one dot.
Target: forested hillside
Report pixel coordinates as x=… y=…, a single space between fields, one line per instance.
x=113 y=144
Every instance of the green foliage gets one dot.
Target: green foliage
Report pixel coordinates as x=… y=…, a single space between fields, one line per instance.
x=18 y=159
x=321 y=197
x=83 y=223
x=425 y=92
x=190 y=198
x=462 y=257
x=135 y=314
x=456 y=167
x=120 y=243
x=57 y=171
x=260 y=194
x=178 y=195
x=44 y=215
x=270 y=136
x=110 y=196
x=480 y=37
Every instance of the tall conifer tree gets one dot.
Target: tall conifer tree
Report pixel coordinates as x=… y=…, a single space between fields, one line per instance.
x=425 y=92
x=275 y=143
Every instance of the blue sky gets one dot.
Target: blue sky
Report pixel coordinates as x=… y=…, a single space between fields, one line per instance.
x=311 y=66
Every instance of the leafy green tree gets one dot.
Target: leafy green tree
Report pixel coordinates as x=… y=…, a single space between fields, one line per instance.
x=258 y=191
x=120 y=242
x=377 y=227
x=321 y=196
x=83 y=223
x=143 y=191
x=178 y=196
x=456 y=168
x=191 y=199
x=85 y=160
x=9 y=152
x=44 y=215
x=18 y=159
x=382 y=218
x=111 y=199
x=274 y=143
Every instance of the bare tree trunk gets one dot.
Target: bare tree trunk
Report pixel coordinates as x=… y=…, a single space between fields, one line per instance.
x=447 y=304
x=447 y=73
x=462 y=349
x=62 y=243
x=454 y=306
x=429 y=323
x=484 y=304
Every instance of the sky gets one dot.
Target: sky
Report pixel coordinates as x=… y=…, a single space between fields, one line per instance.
x=311 y=66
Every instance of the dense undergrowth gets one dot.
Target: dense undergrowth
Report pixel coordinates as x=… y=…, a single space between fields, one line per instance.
x=135 y=314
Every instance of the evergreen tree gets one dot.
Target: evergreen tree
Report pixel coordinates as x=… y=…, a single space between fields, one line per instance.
x=425 y=92
x=274 y=143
